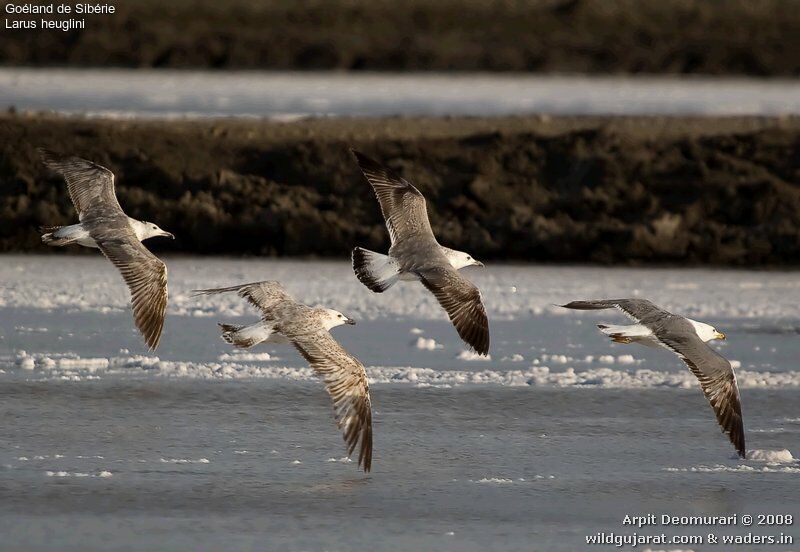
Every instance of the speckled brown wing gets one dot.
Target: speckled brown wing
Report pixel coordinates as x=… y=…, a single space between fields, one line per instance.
x=402 y=205
x=90 y=186
x=716 y=379
x=463 y=303
x=145 y=274
x=346 y=382
x=269 y=296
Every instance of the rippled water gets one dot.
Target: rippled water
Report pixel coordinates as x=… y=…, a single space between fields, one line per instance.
x=106 y=447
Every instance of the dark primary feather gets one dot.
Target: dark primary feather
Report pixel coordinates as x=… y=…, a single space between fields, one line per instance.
x=462 y=301
x=717 y=381
x=640 y=310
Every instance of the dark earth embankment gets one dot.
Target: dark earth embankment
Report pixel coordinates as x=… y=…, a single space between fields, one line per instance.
x=586 y=36
x=621 y=190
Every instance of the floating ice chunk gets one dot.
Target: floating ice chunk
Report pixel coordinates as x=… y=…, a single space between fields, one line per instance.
x=426 y=344
x=782 y=456
x=495 y=480
x=104 y=474
x=243 y=356
x=296 y=462
x=471 y=356
x=606 y=359
x=625 y=359
x=416 y=331
x=736 y=364
x=516 y=357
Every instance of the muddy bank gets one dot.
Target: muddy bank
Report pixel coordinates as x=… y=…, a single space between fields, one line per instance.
x=595 y=36
x=621 y=190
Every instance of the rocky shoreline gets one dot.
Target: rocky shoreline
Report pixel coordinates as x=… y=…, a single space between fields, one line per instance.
x=719 y=191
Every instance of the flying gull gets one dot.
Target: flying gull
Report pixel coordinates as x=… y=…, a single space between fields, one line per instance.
x=105 y=226
x=284 y=320
x=416 y=255
x=687 y=338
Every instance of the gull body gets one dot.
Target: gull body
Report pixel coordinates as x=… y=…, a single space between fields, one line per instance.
x=687 y=338
x=284 y=320
x=105 y=226
x=416 y=255
x=59 y=236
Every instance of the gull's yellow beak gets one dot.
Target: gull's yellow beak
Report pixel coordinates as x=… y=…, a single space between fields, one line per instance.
x=720 y=335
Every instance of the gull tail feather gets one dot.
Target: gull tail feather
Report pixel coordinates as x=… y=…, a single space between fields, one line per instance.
x=377 y=272
x=50 y=236
x=243 y=337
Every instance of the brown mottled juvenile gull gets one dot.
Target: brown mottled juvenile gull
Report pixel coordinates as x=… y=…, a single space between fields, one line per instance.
x=416 y=255
x=284 y=320
x=104 y=225
x=687 y=338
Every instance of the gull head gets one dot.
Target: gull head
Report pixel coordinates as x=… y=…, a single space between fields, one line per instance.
x=460 y=259
x=151 y=230
x=332 y=318
x=705 y=331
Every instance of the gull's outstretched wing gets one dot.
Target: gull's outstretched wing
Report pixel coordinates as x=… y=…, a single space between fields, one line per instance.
x=90 y=186
x=402 y=205
x=270 y=297
x=145 y=274
x=346 y=382
x=641 y=310
x=716 y=378
x=462 y=301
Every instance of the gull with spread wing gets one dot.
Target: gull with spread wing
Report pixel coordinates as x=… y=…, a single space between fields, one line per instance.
x=687 y=338
x=104 y=225
x=284 y=320
x=415 y=254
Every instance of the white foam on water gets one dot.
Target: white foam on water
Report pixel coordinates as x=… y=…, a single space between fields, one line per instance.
x=782 y=456
x=46 y=367
x=244 y=356
x=494 y=480
x=472 y=356
x=741 y=468
x=184 y=461
x=426 y=344
x=343 y=460
x=47 y=282
x=101 y=474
